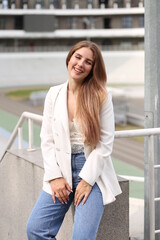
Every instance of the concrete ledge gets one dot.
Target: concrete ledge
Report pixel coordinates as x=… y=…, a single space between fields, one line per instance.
x=115 y=221
x=136 y=221
x=21 y=174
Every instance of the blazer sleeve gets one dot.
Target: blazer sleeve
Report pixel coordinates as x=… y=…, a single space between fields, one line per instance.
x=51 y=168
x=94 y=164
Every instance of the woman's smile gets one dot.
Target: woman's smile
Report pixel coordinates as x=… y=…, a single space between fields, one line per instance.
x=78 y=70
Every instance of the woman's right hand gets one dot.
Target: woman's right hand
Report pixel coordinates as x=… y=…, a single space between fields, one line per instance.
x=59 y=188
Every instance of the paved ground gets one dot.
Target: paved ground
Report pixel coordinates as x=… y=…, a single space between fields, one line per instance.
x=16 y=107
x=129 y=151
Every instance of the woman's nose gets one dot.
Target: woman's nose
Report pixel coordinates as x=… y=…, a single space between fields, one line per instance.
x=81 y=63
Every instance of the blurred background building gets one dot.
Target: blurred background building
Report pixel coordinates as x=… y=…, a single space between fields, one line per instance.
x=55 y=25
x=35 y=37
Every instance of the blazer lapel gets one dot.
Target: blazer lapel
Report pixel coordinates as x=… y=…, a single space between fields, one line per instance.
x=61 y=105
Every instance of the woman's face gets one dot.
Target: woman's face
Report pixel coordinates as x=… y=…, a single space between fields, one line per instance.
x=80 y=64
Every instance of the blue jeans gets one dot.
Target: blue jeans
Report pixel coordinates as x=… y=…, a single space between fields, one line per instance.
x=46 y=217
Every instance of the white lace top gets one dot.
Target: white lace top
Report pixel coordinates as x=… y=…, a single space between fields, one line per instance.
x=76 y=137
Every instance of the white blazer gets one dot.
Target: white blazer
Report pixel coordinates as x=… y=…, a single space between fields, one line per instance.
x=56 y=147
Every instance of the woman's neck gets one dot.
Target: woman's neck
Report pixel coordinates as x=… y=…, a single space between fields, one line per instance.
x=73 y=87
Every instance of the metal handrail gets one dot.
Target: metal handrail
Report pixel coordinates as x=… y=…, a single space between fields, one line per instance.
x=118 y=134
x=25 y=115
x=137 y=133
x=150 y=133
x=133 y=178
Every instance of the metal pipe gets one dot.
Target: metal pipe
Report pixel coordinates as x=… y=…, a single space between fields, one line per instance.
x=152 y=101
x=13 y=135
x=156 y=166
x=151 y=188
x=20 y=138
x=30 y=133
x=133 y=178
x=137 y=133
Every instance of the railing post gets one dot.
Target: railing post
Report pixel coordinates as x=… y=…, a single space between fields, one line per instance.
x=30 y=133
x=152 y=94
x=151 y=187
x=20 y=138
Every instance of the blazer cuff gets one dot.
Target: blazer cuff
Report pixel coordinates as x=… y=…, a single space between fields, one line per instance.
x=87 y=179
x=50 y=177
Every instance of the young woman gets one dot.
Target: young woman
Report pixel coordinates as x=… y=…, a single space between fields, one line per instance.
x=76 y=139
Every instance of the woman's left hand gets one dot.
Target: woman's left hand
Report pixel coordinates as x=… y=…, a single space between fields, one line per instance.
x=82 y=192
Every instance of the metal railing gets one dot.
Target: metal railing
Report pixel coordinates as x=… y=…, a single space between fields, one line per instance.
x=150 y=201
x=149 y=133
x=31 y=117
x=38 y=5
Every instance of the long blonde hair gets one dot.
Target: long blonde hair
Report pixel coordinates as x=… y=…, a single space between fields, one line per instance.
x=92 y=94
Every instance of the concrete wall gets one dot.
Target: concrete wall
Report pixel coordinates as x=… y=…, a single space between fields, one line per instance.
x=25 y=69
x=21 y=174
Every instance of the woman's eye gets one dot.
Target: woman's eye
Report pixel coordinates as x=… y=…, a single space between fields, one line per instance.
x=89 y=63
x=77 y=57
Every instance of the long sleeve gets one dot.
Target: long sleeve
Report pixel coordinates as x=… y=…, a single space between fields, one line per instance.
x=100 y=155
x=51 y=167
